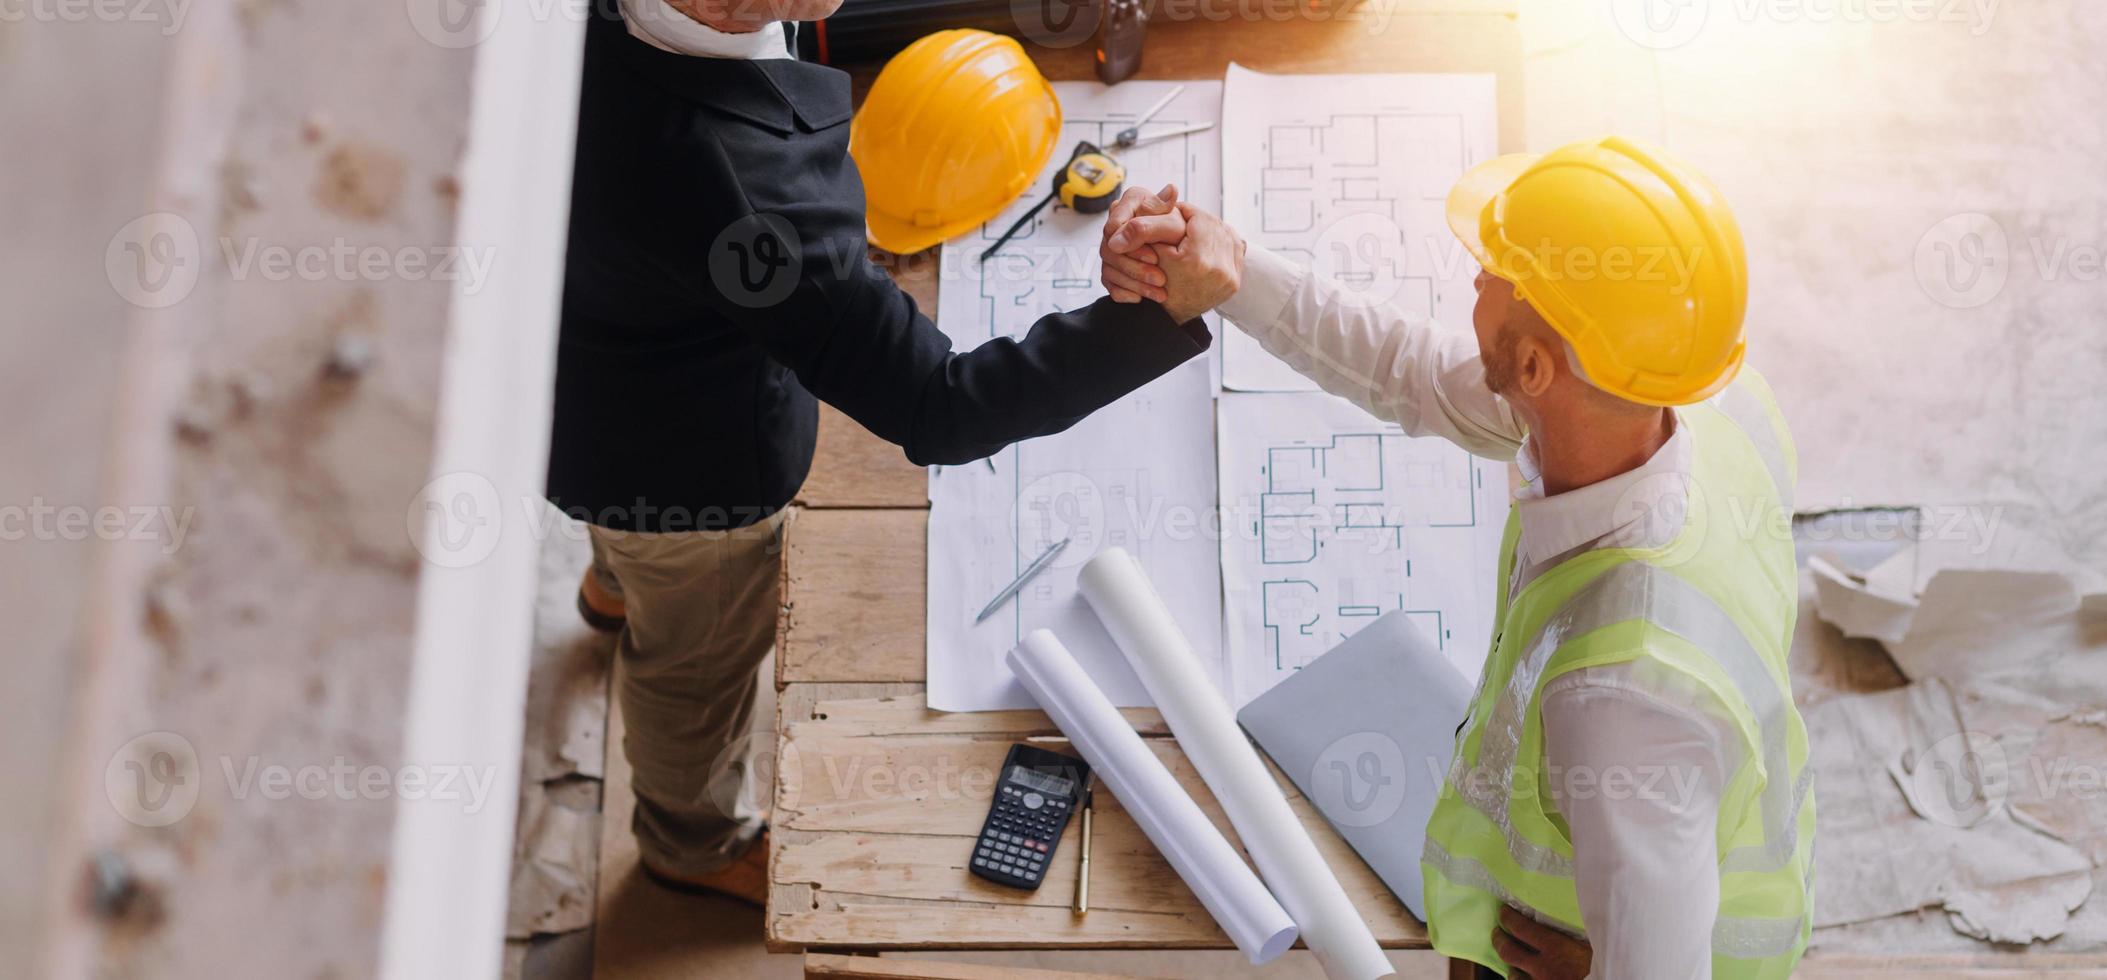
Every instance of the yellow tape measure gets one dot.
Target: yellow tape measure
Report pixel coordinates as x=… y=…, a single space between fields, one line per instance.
x=1090 y=181
x=1086 y=185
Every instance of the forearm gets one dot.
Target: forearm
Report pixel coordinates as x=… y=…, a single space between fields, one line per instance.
x=1068 y=366
x=1410 y=371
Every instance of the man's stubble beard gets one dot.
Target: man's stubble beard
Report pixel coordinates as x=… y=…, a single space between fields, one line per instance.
x=1499 y=362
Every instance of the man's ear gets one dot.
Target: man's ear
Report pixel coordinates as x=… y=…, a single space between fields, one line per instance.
x=1536 y=366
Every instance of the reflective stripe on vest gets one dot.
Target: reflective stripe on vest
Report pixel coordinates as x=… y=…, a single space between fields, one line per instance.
x=1639 y=591
x=1742 y=408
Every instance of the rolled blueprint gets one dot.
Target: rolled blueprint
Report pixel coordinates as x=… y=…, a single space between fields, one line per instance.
x=1117 y=589
x=1214 y=870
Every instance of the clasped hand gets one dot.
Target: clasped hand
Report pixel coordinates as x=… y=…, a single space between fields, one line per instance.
x=1156 y=247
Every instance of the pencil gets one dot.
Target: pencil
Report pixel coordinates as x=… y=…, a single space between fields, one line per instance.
x=1082 y=878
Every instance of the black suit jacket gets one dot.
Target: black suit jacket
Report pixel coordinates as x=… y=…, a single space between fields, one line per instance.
x=718 y=280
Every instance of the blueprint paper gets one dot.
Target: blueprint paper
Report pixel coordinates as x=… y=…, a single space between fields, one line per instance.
x=1164 y=811
x=1155 y=643
x=1138 y=474
x=1331 y=519
x=1350 y=175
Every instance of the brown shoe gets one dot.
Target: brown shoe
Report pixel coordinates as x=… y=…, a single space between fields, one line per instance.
x=745 y=879
x=602 y=610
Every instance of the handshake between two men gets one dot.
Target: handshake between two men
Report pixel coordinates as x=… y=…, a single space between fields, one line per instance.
x=1159 y=248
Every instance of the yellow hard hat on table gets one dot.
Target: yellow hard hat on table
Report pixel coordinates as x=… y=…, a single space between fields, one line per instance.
x=954 y=128
x=1632 y=256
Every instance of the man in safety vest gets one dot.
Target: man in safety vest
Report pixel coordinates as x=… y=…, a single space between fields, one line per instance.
x=1630 y=794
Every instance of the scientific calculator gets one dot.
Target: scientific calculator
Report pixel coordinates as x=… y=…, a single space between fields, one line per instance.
x=1033 y=800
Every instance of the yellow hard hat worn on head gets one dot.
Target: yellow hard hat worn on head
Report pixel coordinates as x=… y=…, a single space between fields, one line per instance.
x=954 y=128
x=1631 y=255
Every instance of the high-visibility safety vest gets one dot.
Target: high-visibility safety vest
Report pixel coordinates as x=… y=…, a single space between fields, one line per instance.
x=1717 y=604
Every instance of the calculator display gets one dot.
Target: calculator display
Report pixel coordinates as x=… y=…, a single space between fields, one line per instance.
x=1040 y=781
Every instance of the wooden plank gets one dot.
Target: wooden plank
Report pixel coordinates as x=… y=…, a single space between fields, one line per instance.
x=878 y=800
x=829 y=966
x=853 y=468
x=854 y=582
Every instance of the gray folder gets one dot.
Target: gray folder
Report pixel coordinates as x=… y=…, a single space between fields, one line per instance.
x=1366 y=732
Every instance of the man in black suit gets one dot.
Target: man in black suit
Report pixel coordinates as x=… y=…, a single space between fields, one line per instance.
x=718 y=286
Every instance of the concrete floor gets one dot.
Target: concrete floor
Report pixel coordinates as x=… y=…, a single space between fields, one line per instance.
x=1864 y=158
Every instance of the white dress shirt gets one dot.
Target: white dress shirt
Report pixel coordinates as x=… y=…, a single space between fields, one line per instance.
x=1643 y=760
x=656 y=23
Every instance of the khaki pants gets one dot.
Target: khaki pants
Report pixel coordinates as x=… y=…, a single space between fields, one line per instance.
x=702 y=609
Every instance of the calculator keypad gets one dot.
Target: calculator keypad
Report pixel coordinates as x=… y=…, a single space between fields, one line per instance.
x=1019 y=837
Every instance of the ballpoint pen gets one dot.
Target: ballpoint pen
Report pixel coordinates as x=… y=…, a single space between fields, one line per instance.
x=1038 y=565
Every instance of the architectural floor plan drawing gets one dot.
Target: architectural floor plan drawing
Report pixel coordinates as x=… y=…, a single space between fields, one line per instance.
x=1331 y=518
x=1138 y=474
x=1349 y=175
